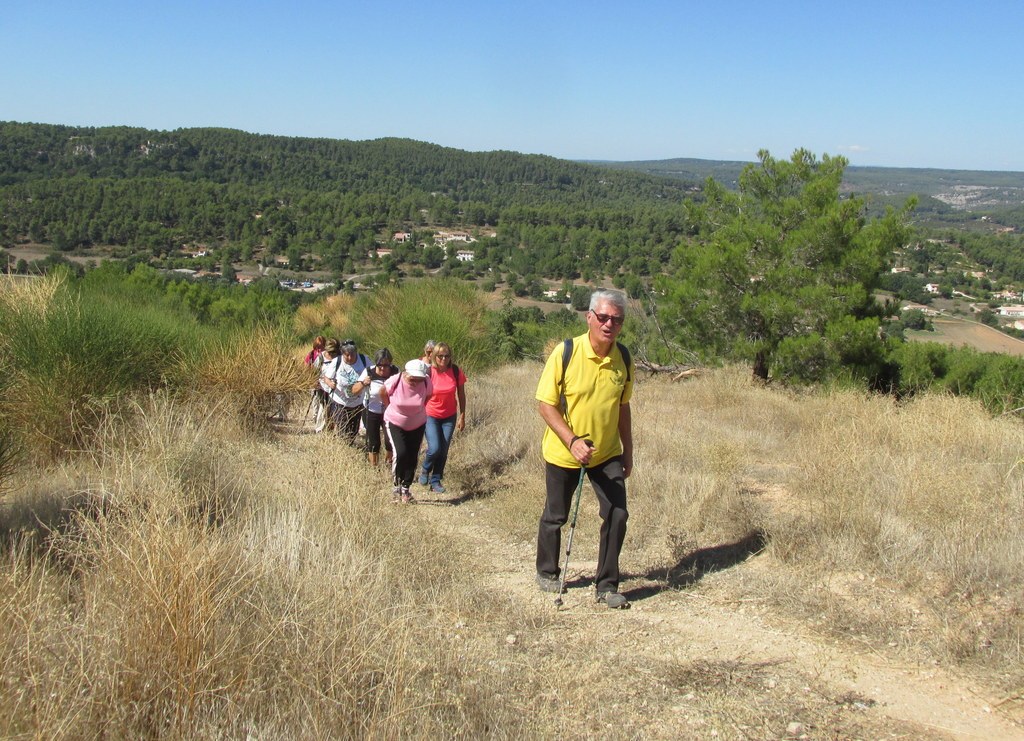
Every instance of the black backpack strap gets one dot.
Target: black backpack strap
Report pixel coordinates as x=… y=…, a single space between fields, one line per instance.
x=624 y=351
x=566 y=357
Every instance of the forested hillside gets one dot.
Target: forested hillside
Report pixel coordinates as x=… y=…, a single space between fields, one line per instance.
x=777 y=267
x=391 y=167
x=153 y=191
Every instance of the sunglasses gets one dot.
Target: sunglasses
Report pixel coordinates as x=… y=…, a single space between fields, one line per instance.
x=605 y=318
x=442 y=357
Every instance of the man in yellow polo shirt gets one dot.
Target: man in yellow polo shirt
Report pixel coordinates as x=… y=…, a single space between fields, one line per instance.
x=596 y=432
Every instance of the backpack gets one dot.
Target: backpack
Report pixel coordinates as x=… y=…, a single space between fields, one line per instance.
x=567 y=345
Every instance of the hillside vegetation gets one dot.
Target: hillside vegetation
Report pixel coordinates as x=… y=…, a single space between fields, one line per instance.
x=782 y=272
x=188 y=576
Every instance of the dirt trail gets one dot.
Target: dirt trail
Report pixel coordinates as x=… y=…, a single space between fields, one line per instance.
x=699 y=624
x=692 y=625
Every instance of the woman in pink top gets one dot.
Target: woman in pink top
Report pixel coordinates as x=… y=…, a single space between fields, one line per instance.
x=405 y=398
x=446 y=412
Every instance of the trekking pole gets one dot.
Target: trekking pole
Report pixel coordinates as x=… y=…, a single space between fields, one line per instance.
x=305 y=417
x=572 y=531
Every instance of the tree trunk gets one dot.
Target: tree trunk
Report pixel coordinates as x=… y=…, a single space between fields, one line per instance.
x=760 y=369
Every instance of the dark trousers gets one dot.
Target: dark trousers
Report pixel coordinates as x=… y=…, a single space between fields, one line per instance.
x=346 y=420
x=610 y=486
x=406 y=445
x=374 y=424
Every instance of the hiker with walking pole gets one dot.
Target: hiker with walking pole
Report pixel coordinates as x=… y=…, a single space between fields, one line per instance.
x=583 y=396
x=329 y=358
x=319 y=396
x=346 y=403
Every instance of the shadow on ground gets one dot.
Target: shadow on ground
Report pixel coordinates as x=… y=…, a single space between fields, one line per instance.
x=695 y=565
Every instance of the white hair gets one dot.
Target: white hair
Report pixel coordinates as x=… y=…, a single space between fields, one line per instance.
x=615 y=298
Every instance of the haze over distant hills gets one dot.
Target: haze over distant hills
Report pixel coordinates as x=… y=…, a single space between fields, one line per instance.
x=961 y=189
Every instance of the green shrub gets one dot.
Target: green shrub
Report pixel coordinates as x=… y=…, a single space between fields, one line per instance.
x=921 y=365
x=402 y=318
x=994 y=379
x=805 y=359
x=68 y=359
x=914 y=319
x=1001 y=388
x=965 y=368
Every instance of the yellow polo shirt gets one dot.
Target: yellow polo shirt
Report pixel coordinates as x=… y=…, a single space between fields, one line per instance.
x=595 y=388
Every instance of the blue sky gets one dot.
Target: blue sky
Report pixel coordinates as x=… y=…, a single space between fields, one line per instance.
x=899 y=84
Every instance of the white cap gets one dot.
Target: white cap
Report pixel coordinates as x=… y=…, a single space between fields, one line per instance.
x=417 y=369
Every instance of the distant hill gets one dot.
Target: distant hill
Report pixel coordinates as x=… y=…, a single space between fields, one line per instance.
x=389 y=167
x=960 y=189
x=328 y=203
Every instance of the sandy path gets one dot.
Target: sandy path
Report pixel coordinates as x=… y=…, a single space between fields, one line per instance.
x=689 y=625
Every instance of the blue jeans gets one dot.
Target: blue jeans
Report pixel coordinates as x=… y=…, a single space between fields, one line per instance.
x=439 y=439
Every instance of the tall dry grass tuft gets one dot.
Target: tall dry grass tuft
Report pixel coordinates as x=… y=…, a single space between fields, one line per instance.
x=255 y=374
x=312 y=607
x=331 y=316
x=851 y=487
x=931 y=488
x=30 y=296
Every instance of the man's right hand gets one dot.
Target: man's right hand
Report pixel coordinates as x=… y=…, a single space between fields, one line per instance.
x=582 y=450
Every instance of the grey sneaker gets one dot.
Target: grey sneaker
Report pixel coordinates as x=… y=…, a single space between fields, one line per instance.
x=424 y=480
x=613 y=600
x=407 y=497
x=437 y=488
x=547 y=583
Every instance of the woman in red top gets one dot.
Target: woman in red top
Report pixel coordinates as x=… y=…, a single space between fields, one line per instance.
x=446 y=412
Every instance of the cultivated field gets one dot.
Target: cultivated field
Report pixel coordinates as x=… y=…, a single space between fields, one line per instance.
x=958 y=332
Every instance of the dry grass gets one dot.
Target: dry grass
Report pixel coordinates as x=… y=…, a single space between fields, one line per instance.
x=187 y=579
x=32 y=297
x=330 y=317
x=898 y=524
x=252 y=375
x=190 y=581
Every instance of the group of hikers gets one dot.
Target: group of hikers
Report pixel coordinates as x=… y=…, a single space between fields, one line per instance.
x=583 y=397
x=395 y=408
